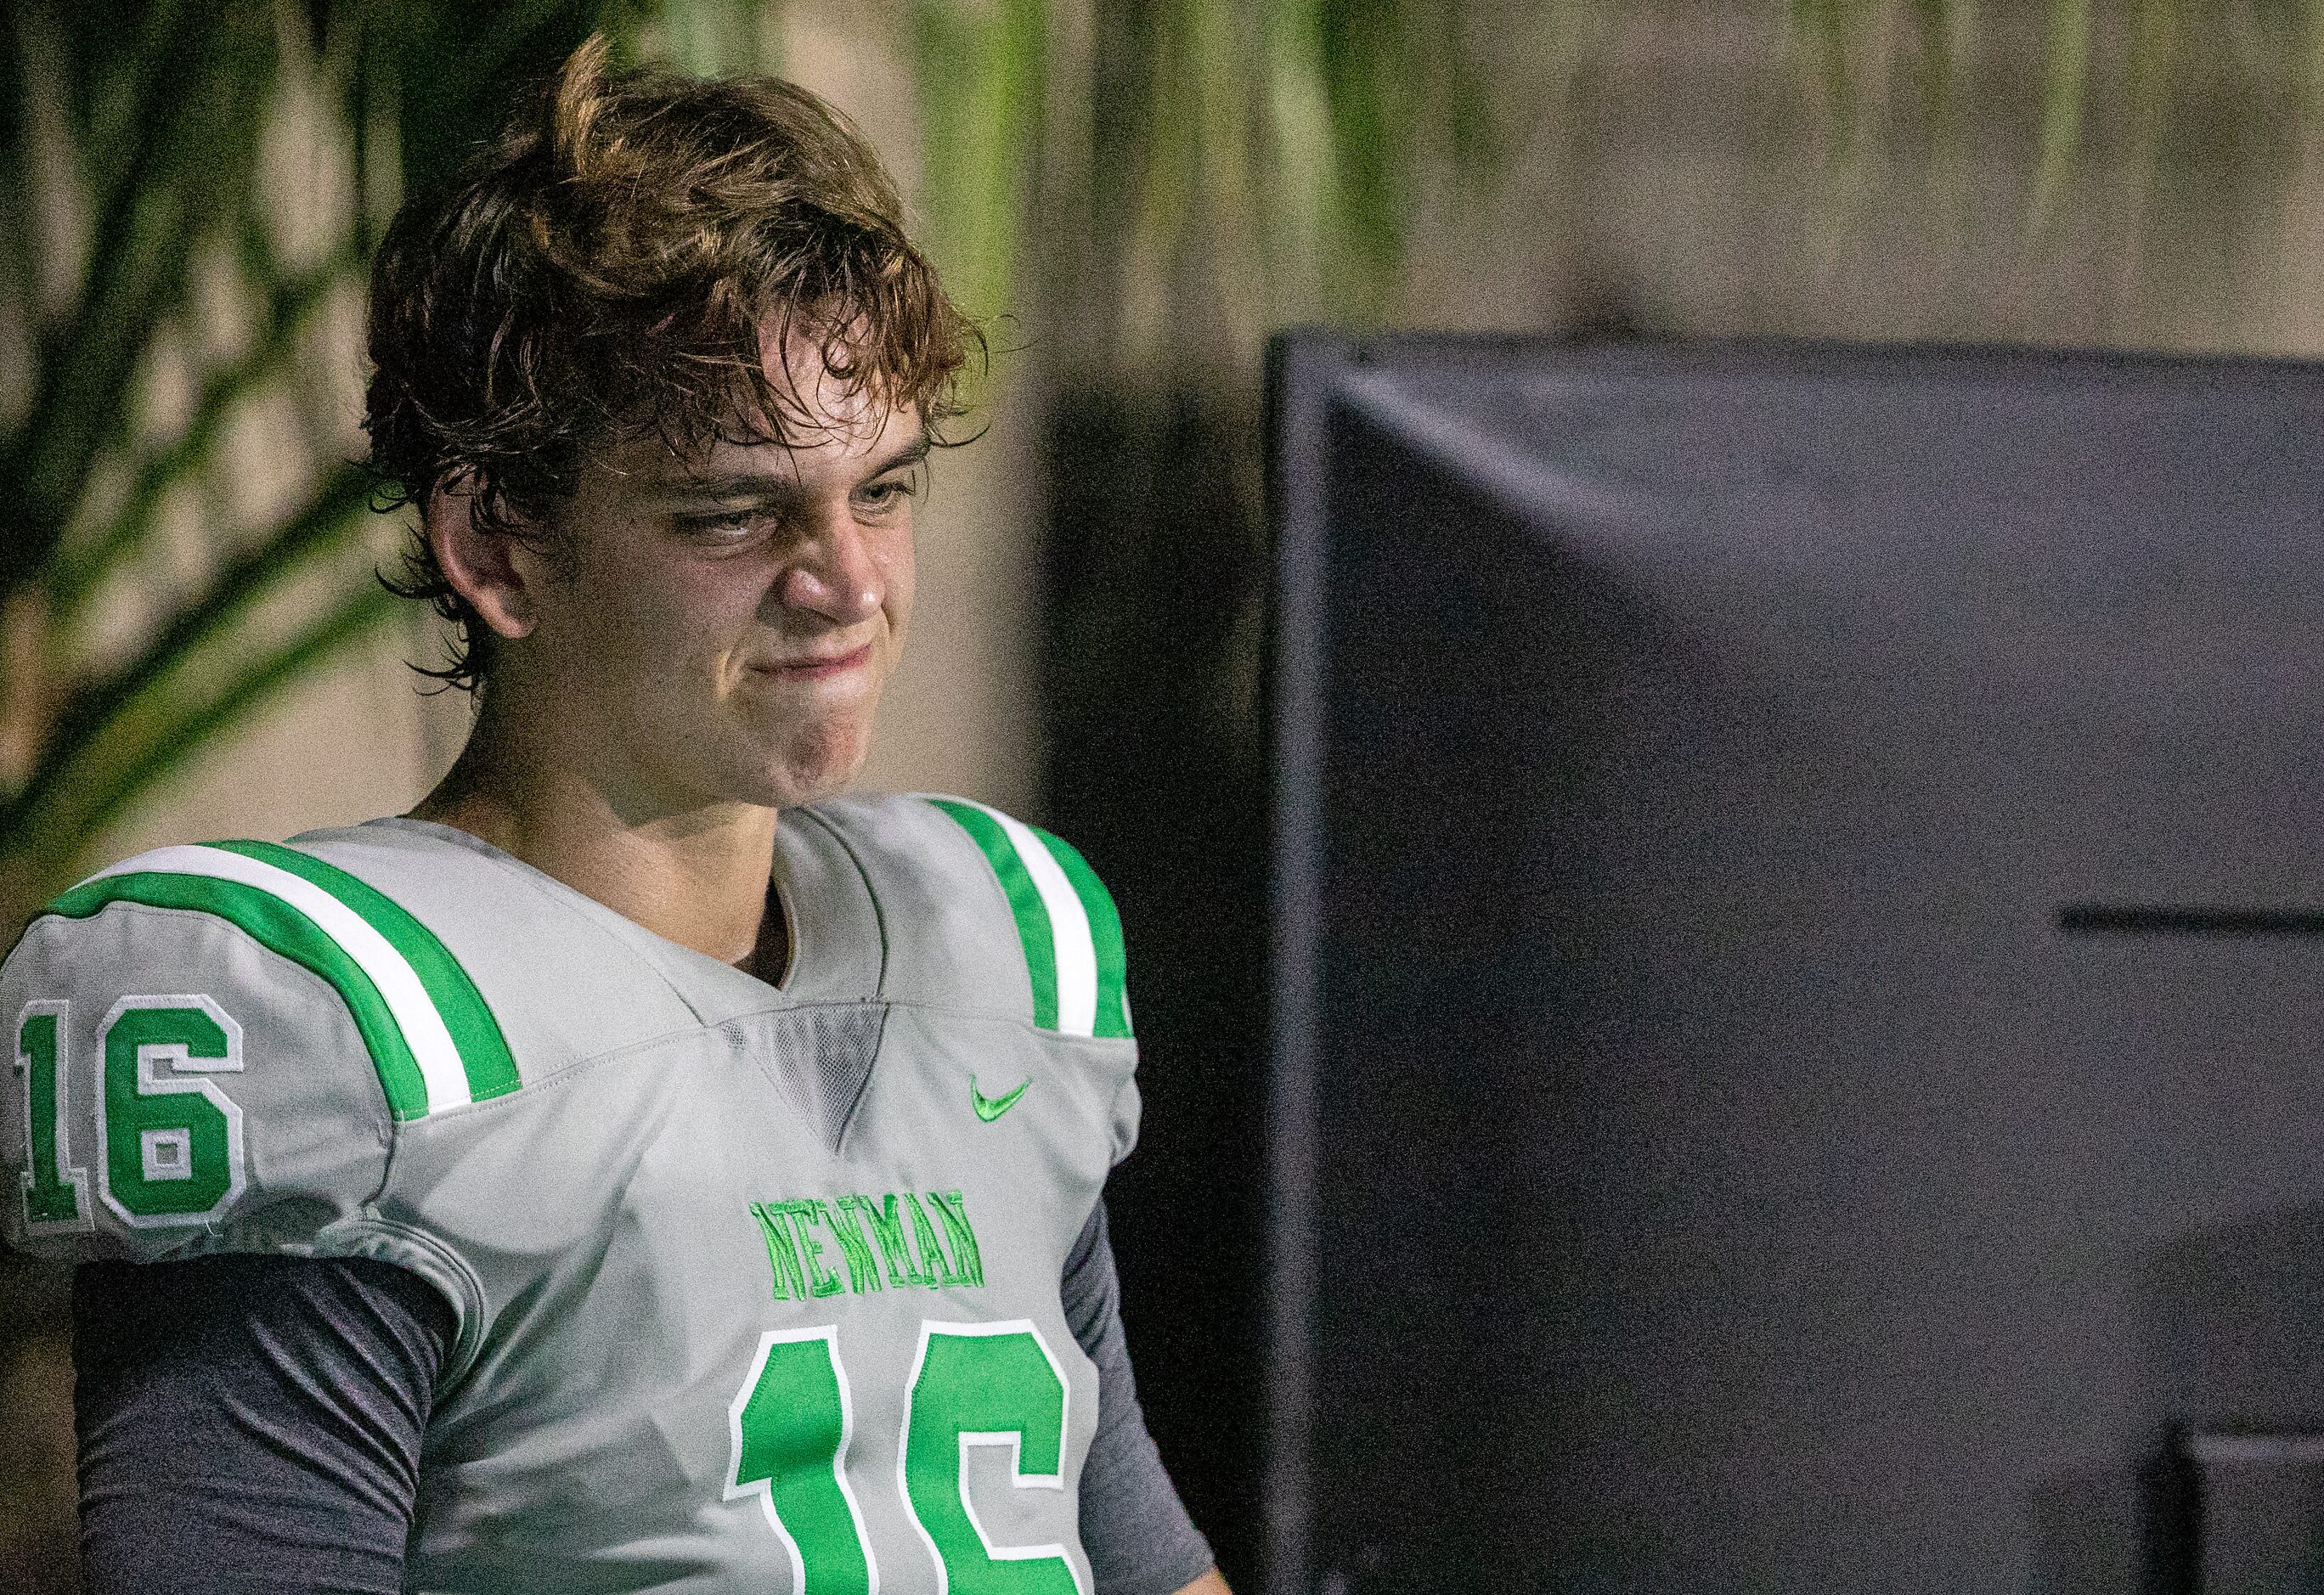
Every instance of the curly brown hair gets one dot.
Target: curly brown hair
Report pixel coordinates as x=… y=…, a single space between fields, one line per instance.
x=607 y=267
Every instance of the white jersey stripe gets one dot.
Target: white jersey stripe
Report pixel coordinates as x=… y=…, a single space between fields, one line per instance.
x=1068 y=923
x=399 y=983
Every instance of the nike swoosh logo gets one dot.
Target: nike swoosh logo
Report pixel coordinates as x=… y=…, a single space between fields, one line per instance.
x=991 y=1108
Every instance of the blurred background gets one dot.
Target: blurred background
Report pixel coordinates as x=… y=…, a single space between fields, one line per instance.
x=1134 y=193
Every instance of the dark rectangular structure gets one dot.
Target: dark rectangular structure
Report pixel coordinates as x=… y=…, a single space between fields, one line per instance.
x=1799 y=998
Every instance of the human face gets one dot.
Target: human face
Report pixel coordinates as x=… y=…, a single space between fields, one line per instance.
x=717 y=627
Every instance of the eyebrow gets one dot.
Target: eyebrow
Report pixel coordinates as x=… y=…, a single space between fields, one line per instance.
x=776 y=484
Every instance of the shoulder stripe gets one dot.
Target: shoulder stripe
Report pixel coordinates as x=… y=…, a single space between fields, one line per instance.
x=282 y=927
x=421 y=1067
x=1033 y=926
x=1111 y=1016
x=1076 y=958
x=1065 y=919
x=484 y=1056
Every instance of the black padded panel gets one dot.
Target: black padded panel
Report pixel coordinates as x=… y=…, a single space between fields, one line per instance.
x=1705 y=1159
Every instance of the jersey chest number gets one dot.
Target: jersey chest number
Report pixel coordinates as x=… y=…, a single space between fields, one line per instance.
x=972 y=1385
x=168 y=1139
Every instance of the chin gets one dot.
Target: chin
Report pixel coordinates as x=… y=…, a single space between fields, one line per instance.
x=817 y=767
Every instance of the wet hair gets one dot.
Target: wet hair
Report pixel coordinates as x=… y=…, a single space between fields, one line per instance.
x=607 y=267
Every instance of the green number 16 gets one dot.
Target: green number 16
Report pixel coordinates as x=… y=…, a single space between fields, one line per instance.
x=972 y=1384
x=169 y=1138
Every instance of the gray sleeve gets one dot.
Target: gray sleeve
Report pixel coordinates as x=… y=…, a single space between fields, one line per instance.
x=1136 y=1530
x=250 y=1425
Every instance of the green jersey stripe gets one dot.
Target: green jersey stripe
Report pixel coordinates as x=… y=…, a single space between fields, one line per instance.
x=1063 y=911
x=484 y=1051
x=1024 y=901
x=278 y=925
x=1077 y=955
x=1112 y=1015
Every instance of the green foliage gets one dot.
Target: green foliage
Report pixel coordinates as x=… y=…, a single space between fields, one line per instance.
x=1269 y=161
x=169 y=137
x=2066 y=52
x=979 y=115
x=2227 y=83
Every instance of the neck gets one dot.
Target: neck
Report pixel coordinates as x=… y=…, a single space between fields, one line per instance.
x=697 y=875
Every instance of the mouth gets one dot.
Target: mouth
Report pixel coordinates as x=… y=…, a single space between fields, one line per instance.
x=819 y=667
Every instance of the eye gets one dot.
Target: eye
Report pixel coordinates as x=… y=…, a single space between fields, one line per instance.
x=723 y=525
x=888 y=494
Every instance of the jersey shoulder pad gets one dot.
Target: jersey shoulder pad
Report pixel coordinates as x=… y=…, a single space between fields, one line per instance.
x=985 y=913
x=557 y=977
x=212 y=1048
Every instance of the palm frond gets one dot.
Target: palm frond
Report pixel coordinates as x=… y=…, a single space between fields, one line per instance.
x=80 y=565
x=2066 y=64
x=454 y=67
x=979 y=91
x=1367 y=100
x=1820 y=32
x=1941 y=30
x=333 y=518
x=190 y=165
x=718 y=38
x=172 y=720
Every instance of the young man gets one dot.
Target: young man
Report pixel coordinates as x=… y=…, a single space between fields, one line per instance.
x=634 y=1169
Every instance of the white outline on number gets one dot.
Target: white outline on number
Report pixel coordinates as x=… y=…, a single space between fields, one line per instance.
x=1014 y=1439
x=764 y=1488
x=159 y=1170
x=84 y=1215
x=182 y=1063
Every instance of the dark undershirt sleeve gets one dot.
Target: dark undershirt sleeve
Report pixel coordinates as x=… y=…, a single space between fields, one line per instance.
x=1136 y=1530
x=251 y=1423
x=254 y=1425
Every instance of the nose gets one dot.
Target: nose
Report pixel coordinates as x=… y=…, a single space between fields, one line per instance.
x=834 y=575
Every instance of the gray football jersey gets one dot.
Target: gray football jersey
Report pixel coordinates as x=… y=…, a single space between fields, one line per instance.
x=757 y=1287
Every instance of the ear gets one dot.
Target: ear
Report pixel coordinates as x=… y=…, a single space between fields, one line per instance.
x=497 y=575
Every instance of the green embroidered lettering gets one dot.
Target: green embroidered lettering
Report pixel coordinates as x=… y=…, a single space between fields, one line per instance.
x=821 y=1280
x=937 y=1267
x=953 y=1211
x=893 y=1233
x=782 y=1251
x=888 y=1230
x=839 y=1217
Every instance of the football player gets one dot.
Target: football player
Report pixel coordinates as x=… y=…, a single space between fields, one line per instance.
x=635 y=1168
